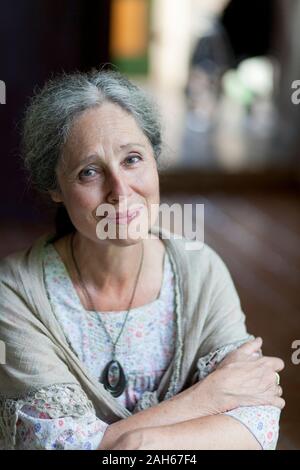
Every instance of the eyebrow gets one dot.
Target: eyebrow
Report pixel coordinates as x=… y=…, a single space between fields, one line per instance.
x=134 y=144
x=95 y=157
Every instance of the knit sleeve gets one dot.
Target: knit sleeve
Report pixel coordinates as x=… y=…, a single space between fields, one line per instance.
x=55 y=417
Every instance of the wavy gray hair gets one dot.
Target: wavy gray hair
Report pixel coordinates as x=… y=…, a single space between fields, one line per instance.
x=53 y=109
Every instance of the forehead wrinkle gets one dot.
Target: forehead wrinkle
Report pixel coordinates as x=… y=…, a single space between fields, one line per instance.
x=106 y=138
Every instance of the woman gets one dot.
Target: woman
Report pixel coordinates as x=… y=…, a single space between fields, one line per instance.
x=121 y=341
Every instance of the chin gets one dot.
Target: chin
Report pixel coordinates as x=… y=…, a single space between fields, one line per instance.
x=120 y=238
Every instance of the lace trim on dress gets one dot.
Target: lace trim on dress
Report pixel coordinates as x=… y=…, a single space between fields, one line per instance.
x=147 y=400
x=206 y=364
x=9 y=410
x=55 y=401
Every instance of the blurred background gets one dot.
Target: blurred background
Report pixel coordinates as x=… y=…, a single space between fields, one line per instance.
x=222 y=73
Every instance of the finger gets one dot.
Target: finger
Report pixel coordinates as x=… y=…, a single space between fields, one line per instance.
x=251 y=347
x=278 y=402
x=257 y=354
x=279 y=391
x=275 y=363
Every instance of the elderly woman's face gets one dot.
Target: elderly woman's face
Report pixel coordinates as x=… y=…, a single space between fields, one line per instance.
x=107 y=159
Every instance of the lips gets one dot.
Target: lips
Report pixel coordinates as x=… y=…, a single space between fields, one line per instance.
x=125 y=216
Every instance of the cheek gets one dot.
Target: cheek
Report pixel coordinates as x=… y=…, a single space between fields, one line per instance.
x=151 y=195
x=150 y=186
x=81 y=204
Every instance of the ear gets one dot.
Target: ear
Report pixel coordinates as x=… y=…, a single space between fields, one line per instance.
x=56 y=196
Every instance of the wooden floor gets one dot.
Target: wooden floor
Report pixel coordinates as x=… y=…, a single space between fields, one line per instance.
x=258 y=236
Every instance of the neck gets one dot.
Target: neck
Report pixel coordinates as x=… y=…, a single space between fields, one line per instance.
x=105 y=265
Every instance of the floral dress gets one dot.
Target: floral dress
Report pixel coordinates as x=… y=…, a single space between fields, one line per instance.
x=61 y=417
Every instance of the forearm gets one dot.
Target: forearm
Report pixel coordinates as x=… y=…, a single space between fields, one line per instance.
x=187 y=405
x=196 y=413
x=218 y=432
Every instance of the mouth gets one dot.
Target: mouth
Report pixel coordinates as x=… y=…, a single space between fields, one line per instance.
x=124 y=217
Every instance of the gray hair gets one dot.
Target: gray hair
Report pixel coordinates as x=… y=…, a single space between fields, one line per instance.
x=53 y=109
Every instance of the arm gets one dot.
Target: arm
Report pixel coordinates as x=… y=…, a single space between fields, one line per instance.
x=261 y=421
x=244 y=379
x=202 y=399
x=210 y=433
x=60 y=416
x=180 y=408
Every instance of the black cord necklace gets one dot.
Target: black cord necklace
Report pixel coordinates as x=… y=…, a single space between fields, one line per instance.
x=113 y=376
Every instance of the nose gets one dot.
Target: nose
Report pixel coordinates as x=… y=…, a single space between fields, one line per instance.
x=118 y=187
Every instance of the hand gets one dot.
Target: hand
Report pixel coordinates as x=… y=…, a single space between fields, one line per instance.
x=245 y=378
x=249 y=351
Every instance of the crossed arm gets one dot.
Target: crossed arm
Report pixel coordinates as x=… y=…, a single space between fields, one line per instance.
x=210 y=433
x=193 y=419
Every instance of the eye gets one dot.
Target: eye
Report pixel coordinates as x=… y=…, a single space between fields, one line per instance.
x=131 y=160
x=87 y=173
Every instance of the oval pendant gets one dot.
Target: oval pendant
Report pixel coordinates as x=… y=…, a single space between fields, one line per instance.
x=113 y=378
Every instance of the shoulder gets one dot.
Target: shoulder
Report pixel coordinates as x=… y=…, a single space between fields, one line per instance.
x=11 y=264
x=21 y=277
x=198 y=258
